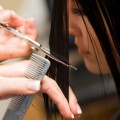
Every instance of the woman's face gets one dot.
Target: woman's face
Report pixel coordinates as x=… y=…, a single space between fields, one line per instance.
x=89 y=49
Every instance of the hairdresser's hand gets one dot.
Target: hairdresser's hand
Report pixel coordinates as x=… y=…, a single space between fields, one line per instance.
x=69 y=110
x=73 y=103
x=10 y=45
x=11 y=84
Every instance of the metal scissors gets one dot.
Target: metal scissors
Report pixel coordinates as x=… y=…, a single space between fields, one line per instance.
x=35 y=44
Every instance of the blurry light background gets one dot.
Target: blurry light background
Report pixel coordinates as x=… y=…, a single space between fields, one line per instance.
x=96 y=96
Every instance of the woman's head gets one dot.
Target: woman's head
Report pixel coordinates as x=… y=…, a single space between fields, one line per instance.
x=88 y=48
x=94 y=29
x=96 y=25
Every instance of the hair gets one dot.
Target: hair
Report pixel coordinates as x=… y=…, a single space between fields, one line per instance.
x=105 y=21
x=59 y=48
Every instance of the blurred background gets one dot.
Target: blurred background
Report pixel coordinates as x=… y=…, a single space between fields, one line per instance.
x=96 y=94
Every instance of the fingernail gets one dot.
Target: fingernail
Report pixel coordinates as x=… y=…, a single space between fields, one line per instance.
x=1 y=8
x=34 y=85
x=37 y=85
x=5 y=17
x=72 y=116
x=79 y=111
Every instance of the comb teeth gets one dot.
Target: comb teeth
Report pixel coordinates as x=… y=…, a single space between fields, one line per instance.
x=38 y=67
x=18 y=105
x=16 y=102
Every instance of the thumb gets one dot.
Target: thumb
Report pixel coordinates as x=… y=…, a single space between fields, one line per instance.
x=11 y=18
x=18 y=85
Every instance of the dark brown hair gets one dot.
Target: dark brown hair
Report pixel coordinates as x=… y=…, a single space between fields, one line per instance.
x=59 y=47
x=102 y=13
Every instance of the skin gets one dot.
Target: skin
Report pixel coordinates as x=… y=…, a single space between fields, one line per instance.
x=15 y=47
x=10 y=80
x=90 y=50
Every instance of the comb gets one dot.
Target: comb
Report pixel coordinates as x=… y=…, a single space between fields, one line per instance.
x=19 y=104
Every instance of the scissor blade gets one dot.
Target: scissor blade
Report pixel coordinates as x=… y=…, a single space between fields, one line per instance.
x=35 y=44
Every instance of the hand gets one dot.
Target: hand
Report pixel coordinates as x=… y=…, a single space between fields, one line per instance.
x=48 y=86
x=69 y=110
x=9 y=74
x=9 y=85
x=10 y=45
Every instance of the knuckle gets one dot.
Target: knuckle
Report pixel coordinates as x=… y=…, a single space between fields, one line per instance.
x=45 y=86
x=54 y=82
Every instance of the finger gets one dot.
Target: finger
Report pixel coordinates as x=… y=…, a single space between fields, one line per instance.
x=18 y=85
x=74 y=106
x=11 y=18
x=9 y=70
x=16 y=48
x=5 y=16
x=50 y=87
x=30 y=29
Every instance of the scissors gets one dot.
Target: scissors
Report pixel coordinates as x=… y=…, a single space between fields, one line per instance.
x=35 y=44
